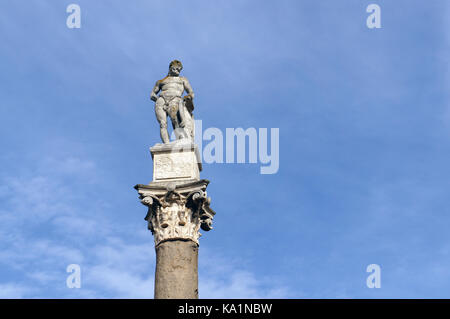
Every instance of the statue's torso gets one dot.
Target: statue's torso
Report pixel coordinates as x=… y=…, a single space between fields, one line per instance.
x=171 y=86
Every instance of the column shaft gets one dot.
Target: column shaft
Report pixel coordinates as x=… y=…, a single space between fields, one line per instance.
x=176 y=275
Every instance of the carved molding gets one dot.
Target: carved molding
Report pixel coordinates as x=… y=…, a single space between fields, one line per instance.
x=175 y=165
x=177 y=211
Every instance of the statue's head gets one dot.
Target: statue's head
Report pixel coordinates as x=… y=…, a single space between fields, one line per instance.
x=175 y=67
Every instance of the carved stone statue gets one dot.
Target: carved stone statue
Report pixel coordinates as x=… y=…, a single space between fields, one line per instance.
x=171 y=102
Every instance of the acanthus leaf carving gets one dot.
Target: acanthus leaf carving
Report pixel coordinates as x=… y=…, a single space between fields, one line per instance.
x=177 y=215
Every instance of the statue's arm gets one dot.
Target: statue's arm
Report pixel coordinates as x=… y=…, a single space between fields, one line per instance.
x=155 y=91
x=188 y=88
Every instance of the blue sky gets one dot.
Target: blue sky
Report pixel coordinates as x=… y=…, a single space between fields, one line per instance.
x=364 y=124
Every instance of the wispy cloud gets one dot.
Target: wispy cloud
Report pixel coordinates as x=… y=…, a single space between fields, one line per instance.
x=363 y=132
x=14 y=291
x=225 y=277
x=44 y=228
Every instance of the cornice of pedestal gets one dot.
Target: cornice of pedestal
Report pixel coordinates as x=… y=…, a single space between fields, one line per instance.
x=177 y=210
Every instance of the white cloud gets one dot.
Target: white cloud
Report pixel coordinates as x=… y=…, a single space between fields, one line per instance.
x=13 y=291
x=121 y=283
x=239 y=284
x=45 y=227
x=222 y=277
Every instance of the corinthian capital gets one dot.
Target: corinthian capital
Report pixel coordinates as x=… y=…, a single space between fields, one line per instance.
x=177 y=210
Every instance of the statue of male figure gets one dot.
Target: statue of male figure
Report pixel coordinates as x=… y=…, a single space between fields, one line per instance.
x=171 y=103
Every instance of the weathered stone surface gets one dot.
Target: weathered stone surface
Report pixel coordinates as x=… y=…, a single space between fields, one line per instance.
x=177 y=202
x=172 y=103
x=176 y=275
x=176 y=161
x=177 y=210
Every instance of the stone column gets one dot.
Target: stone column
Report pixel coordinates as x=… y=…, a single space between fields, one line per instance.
x=176 y=273
x=178 y=207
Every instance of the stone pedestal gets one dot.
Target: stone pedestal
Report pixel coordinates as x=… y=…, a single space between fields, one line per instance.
x=175 y=162
x=178 y=207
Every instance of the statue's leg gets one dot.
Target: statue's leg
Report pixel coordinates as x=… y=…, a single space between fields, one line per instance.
x=173 y=114
x=187 y=121
x=179 y=131
x=183 y=122
x=191 y=128
x=161 y=116
x=181 y=112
